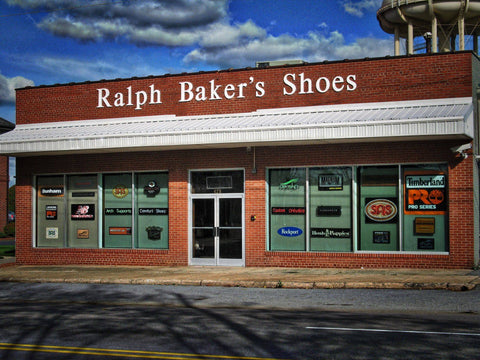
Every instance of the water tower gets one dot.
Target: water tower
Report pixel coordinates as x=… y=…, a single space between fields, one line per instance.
x=439 y=22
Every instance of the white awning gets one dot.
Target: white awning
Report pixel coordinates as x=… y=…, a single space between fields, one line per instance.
x=391 y=121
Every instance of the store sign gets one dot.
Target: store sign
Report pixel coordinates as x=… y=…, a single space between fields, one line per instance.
x=48 y=191
x=83 y=194
x=83 y=212
x=288 y=211
x=153 y=211
x=214 y=90
x=424 y=226
x=329 y=211
x=51 y=233
x=51 y=212
x=381 y=237
x=120 y=191
x=151 y=189
x=330 y=182
x=381 y=210
x=333 y=233
x=118 y=211
x=289 y=185
x=290 y=231
x=83 y=234
x=119 y=231
x=425 y=194
x=426 y=244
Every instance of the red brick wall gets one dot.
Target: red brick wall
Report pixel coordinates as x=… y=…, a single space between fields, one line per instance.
x=178 y=163
x=4 y=180
x=378 y=80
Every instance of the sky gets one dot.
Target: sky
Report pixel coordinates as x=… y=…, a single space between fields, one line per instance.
x=44 y=42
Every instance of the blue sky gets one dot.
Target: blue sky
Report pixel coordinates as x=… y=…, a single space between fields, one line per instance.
x=60 y=41
x=45 y=42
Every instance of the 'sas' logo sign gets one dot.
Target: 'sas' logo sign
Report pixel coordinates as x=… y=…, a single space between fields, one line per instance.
x=381 y=210
x=120 y=191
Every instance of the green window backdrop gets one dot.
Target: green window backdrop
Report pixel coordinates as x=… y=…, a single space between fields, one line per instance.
x=117 y=200
x=82 y=210
x=330 y=195
x=378 y=208
x=287 y=209
x=397 y=208
x=51 y=223
x=151 y=207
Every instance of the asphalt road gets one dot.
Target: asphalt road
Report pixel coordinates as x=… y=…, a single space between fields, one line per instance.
x=68 y=321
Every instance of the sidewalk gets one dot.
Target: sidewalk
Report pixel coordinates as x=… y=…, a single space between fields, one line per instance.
x=457 y=280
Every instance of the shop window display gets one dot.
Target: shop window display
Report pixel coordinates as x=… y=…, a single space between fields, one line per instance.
x=151 y=210
x=117 y=220
x=287 y=209
x=131 y=211
x=425 y=208
x=378 y=208
x=330 y=195
x=397 y=208
x=50 y=212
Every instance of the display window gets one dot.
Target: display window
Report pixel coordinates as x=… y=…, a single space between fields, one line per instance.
x=50 y=212
x=397 y=208
x=425 y=208
x=378 y=208
x=151 y=210
x=82 y=206
x=124 y=210
x=330 y=205
x=118 y=214
x=287 y=209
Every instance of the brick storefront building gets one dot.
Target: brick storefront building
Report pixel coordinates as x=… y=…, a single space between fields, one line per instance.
x=339 y=164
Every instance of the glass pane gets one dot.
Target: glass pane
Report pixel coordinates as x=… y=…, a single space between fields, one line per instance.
x=230 y=212
x=425 y=208
x=151 y=207
x=287 y=209
x=378 y=211
x=82 y=208
x=230 y=243
x=50 y=211
x=203 y=243
x=330 y=209
x=203 y=212
x=117 y=220
x=218 y=182
x=230 y=228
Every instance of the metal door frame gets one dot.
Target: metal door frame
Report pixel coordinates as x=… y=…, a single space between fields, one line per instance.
x=216 y=260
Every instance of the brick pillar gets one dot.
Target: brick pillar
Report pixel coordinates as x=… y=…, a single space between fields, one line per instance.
x=4 y=180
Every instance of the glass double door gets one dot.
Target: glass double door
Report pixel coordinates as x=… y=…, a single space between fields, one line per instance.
x=217 y=230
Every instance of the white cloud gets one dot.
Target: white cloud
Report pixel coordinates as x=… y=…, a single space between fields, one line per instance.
x=201 y=26
x=316 y=47
x=8 y=86
x=224 y=35
x=358 y=8
x=145 y=22
x=91 y=70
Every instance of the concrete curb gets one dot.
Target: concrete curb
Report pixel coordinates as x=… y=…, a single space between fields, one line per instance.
x=254 y=284
x=406 y=279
